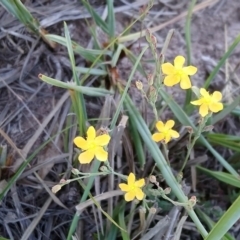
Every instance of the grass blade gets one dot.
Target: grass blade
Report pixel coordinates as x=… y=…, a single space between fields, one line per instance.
x=116 y=115
x=86 y=192
x=98 y=20
x=222 y=176
x=111 y=19
x=208 y=221
x=90 y=91
x=230 y=217
x=221 y=62
x=188 y=45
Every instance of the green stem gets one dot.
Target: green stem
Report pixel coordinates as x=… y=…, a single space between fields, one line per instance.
x=84 y=197
x=197 y=135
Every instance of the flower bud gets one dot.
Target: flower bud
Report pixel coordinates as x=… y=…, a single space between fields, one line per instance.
x=139 y=85
x=152 y=210
x=192 y=201
x=150 y=79
x=56 y=188
x=152 y=179
x=189 y=129
x=75 y=171
x=167 y=190
x=103 y=169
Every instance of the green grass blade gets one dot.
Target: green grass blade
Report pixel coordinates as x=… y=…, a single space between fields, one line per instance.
x=183 y=118
x=122 y=223
x=188 y=45
x=230 y=217
x=80 y=108
x=138 y=146
x=210 y=223
x=188 y=31
x=98 y=20
x=116 y=55
x=88 y=54
x=221 y=62
x=133 y=59
x=91 y=71
x=120 y=104
x=90 y=91
x=70 y=54
x=111 y=19
x=160 y=160
x=236 y=111
x=76 y=217
x=16 y=8
x=228 y=141
x=222 y=176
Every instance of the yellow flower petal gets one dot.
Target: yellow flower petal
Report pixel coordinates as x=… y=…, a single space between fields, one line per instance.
x=203 y=110
x=101 y=154
x=217 y=96
x=81 y=143
x=167 y=137
x=216 y=107
x=124 y=187
x=169 y=124
x=131 y=179
x=178 y=62
x=102 y=140
x=204 y=93
x=168 y=69
x=190 y=70
x=160 y=126
x=197 y=102
x=171 y=80
x=157 y=137
x=129 y=196
x=91 y=133
x=86 y=157
x=174 y=134
x=140 y=183
x=139 y=194
x=185 y=82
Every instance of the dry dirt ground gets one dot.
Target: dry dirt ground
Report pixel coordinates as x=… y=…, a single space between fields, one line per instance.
x=26 y=103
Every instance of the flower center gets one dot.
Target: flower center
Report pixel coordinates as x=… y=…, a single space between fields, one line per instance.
x=179 y=72
x=92 y=145
x=132 y=187
x=207 y=100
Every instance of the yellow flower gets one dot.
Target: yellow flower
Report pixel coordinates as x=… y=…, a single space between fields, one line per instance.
x=178 y=73
x=165 y=131
x=92 y=147
x=208 y=103
x=132 y=188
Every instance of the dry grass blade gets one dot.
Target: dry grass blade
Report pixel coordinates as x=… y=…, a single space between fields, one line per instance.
x=113 y=149
x=136 y=36
x=36 y=220
x=80 y=207
x=42 y=126
x=160 y=226
x=178 y=232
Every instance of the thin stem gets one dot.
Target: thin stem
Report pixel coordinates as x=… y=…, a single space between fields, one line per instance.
x=197 y=135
